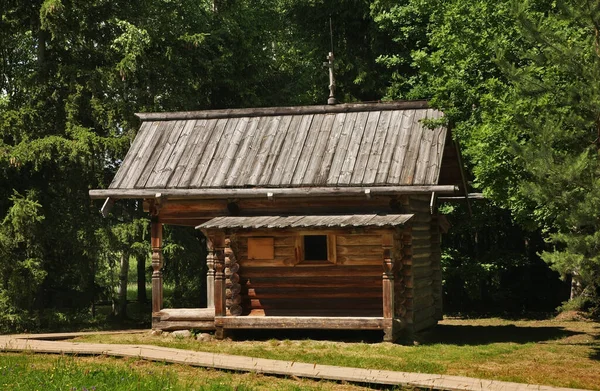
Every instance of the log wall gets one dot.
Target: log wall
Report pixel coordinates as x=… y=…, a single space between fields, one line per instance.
x=286 y=286
x=423 y=291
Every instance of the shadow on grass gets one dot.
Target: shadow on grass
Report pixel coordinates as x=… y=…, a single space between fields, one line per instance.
x=480 y=335
x=441 y=334
x=367 y=336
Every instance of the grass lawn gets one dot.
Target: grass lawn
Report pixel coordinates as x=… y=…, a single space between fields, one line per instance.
x=549 y=352
x=30 y=372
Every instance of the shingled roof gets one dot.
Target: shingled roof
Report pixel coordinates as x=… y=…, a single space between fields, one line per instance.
x=351 y=145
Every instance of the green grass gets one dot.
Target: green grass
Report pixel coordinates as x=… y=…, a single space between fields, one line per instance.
x=549 y=352
x=30 y=372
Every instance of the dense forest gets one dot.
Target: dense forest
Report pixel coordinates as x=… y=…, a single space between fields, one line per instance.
x=519 y=82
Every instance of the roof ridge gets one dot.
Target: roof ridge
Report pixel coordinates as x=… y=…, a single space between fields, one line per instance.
x=287 y=110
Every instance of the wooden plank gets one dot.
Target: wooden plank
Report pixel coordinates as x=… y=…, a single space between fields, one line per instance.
x=192 y=156
x=259 y=248
x=198 y=172
x=399 y=156
x=420 y=176
x=152 y=155
x=330 y=150
x=278 y=169
x=416 y=138
x=292 y=322
x=342 y=149
x=364 y=151
x=437 y=151
x=281 y=137
x=353 y=149
x=238 y=165
x=168 y=159
x=222 y=173
x=379 y=143
x=262 y=153
x=137 y=166
x=138 y=143
x=202 y=314
x=315 y=154
x=392 y=139
x=307 y=150
x=214 y=166
x=293 y=153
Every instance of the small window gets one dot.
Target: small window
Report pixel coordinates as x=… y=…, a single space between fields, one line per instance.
x=315 y=248
x=261 y=248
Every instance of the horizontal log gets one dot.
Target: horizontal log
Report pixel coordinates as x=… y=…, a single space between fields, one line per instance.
x=330 y=271
x=270 y=192
x=344 y=312
x=286 y=110
x=186 y=314
x=313 y=282
x=292 y=304
x=173 y=325
x=360 y=250
x=249 y=263
x=359 y=240
x=294 y=322
x=355 y=292
x=357 y=260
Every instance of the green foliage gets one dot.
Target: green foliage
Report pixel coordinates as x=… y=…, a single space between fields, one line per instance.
x=519 y=82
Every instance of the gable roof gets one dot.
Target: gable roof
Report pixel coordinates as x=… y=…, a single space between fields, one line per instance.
x=349 y=145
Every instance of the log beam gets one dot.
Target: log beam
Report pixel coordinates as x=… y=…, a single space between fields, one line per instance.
x=272 y=192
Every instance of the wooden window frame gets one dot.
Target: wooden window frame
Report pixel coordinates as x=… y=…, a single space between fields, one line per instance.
x=331 y=249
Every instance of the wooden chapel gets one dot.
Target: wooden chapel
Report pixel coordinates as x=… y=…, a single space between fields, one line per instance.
x=316 y=217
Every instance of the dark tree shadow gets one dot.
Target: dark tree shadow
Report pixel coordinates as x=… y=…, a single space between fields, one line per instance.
x=480 y=335
x=595 y=355
x=444 y=334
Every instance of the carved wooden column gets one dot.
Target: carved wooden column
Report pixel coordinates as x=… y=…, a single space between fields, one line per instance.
x=233 y=288
x=388 y=286
x=210 y=275
x=157 y=264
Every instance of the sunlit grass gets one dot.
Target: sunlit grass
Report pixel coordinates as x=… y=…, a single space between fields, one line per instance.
x=546 y=352
x=29 y=372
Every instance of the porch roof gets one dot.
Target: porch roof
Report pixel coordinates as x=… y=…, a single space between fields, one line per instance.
x=310 y=221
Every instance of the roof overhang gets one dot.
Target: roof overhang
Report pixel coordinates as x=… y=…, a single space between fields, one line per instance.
x=271 y=192
x=307 y=221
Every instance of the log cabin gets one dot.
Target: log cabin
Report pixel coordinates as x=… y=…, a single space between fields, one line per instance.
x=316 y=217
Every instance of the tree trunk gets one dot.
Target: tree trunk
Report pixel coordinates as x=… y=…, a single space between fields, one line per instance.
x=122 y=301
x=141 y=279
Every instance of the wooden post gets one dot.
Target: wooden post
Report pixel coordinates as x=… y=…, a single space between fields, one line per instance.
x=210 y=275
x=388 y=286
x=219 y=286
x=157 y=264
